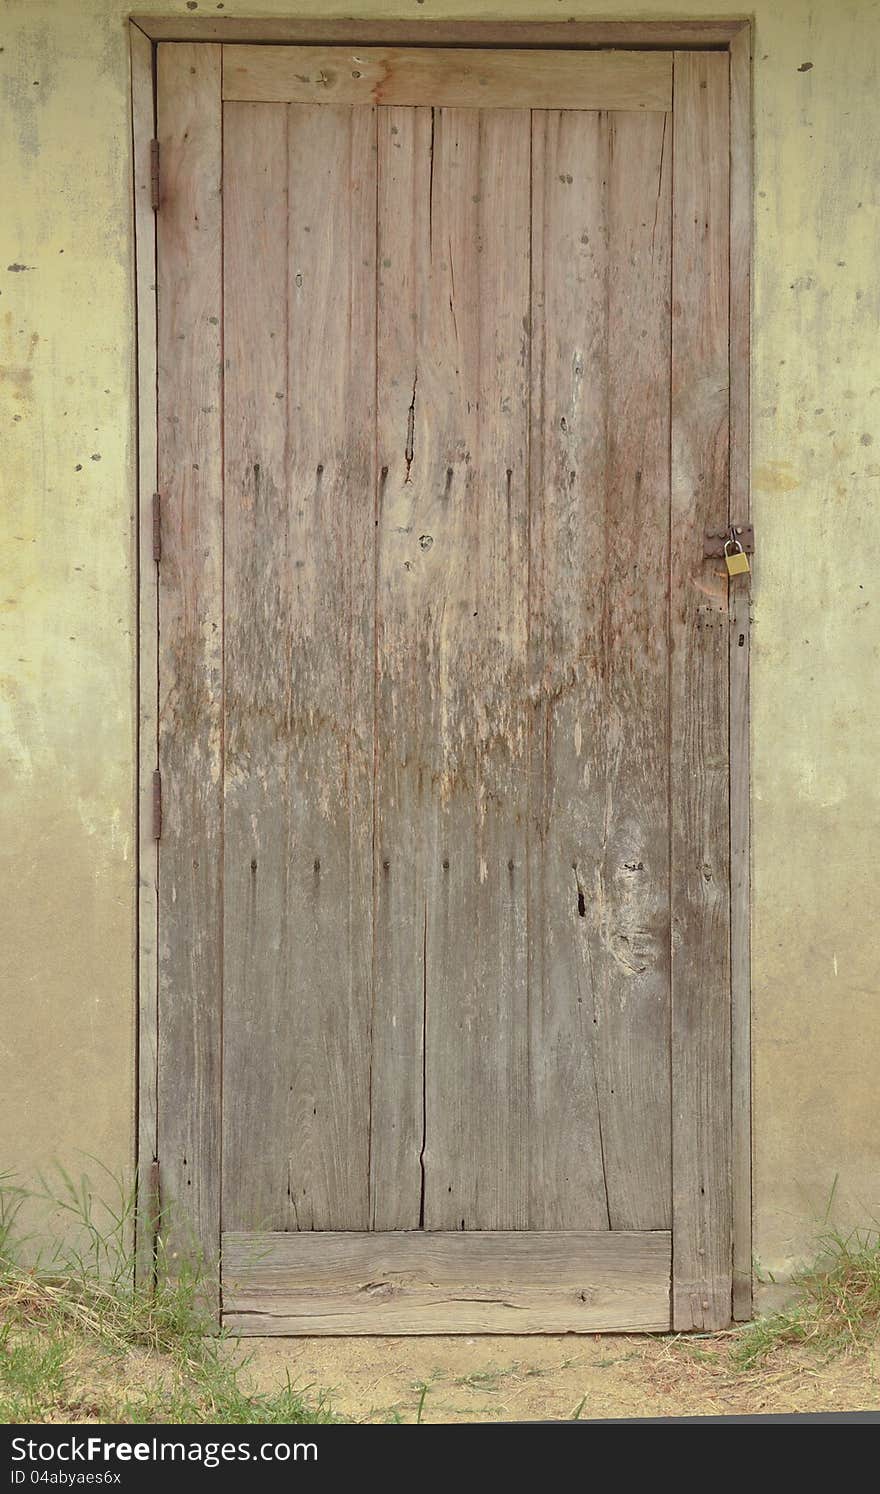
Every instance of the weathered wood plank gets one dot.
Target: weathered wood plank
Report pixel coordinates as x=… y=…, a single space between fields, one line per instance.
x=331 y=455
x=540 y=1258
x=740 y=618
x=300 y=585
x=191 y=645
x=569 y=355
x=143 y=117
x=423 y=1282
x=409 y=506
x=449 y=78
x=627 y=747
x=316 y=30
x=261 y=1005
x=474 y=348
x=700 y=892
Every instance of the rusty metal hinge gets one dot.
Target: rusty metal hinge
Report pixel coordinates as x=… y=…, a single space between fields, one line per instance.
x=714 y=540
x=157 y=526
x=154 y=173
x=157 y=805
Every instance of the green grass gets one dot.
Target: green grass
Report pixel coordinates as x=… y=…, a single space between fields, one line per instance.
x=837 y=1306
x=79 y=1341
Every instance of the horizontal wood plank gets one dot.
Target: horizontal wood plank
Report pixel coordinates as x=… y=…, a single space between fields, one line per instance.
x=459 y=78
x=313 y=30
x=421 y=1282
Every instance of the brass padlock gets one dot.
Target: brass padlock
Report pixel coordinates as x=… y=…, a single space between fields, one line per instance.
x=736 y=560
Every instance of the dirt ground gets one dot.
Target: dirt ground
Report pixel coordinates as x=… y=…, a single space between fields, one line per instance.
x=557 y=1378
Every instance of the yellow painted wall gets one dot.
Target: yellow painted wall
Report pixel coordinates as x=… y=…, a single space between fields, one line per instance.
x=67 y=656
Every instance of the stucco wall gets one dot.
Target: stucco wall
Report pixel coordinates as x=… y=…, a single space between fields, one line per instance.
x=67 y=677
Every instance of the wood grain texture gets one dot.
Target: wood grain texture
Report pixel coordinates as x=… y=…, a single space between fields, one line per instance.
x=740 y=621
x=473 y=360
x=600 y=494
x=299 y=687
x=700 y=892
x=416 y=1282
x=191 y=645
x=331 y=437
x=457 y=78
x=567 y=549
x=316 y=30
x=262 y=1006
x=628 y=912
x=448 y=1118
x=143 y=118
x=407 y=716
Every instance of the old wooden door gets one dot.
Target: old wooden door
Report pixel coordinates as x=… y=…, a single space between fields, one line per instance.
x=444 y=1034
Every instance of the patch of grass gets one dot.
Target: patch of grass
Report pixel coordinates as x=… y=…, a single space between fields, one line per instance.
x=31 y=1373
x=837 y=1307
x=698 y=1355
x=606 y=1363
x=81 y=1341
x=211 y=1392
x=488 y=1379
x=11 y=1200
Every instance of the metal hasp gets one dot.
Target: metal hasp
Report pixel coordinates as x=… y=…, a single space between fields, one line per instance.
x=714 y=540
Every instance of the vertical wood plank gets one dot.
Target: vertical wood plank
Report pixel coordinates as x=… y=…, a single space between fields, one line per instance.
x=143 y=130
x=259 y=1006
x=700 y=891
x=600 y=932
x=331 y=436
x=740 y=619
x=191 y=645
x=474 y=342
x=628 y=904
x=408 y=506
x=299 y=673
x=569 y=380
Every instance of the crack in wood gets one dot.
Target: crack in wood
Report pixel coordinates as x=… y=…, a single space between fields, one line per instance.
x=659 y=186
x=431 y=180
x=409 y=451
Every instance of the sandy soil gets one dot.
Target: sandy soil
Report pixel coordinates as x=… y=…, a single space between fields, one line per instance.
x=556 y=1378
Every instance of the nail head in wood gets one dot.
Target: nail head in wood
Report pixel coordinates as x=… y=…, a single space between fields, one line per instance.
x=715 y=539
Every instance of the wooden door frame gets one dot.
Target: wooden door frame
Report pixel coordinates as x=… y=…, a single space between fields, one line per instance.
x=731 y=36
